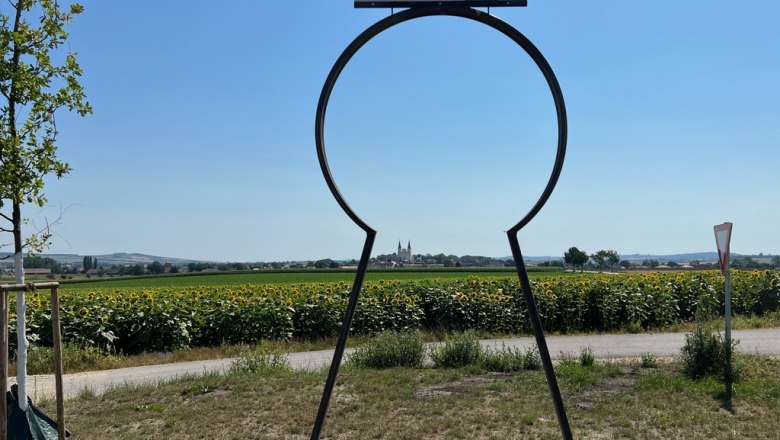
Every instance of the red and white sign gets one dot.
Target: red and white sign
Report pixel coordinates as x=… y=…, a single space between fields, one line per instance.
x=723 y=240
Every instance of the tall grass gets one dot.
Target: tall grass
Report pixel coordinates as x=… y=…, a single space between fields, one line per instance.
x=391 y=349
x=459 y=350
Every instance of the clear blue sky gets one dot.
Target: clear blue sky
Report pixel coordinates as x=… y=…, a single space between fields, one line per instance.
x=439 y=131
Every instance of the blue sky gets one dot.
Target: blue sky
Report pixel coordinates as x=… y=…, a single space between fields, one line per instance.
x=439 y=131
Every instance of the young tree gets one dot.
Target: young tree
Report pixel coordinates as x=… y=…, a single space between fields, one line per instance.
x=33 y=87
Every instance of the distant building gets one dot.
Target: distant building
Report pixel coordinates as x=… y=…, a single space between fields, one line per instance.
x=36 y=271
x=405 y=254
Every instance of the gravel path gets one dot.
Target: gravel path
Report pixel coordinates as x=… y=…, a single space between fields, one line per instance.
x=760 y=341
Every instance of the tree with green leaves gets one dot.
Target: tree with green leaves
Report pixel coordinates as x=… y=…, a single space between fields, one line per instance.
x=599 y=259
x=89 y=263
x=136 y=269
x=155 y=267
x=37 y=78
x=575 y=257
x=42 y=262
x=605 y=258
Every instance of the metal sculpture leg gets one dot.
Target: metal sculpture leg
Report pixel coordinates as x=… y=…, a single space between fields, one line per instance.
x=342 y=342
x=541 y=343
x=319 y=129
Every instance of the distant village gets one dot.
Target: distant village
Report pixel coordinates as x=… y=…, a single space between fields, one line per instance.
x=66 y=267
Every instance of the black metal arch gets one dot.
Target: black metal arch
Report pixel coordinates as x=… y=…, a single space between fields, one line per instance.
x=327 y=89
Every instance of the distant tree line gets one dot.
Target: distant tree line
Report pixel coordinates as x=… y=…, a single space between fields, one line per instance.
x=609 y=259
x=201 y=266
x=38 y=262
x=447 y=260
x=153 y=268
x=748 y=262
x=600 y=260
x=573 y=257
x=89 y=263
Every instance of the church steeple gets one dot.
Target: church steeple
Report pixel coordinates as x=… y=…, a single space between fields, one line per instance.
x=404 y=255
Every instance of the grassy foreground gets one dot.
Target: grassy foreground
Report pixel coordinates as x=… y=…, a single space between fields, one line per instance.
x=608 y=400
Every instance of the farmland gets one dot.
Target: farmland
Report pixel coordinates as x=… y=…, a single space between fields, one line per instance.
x=134 y=319
x=293 y=276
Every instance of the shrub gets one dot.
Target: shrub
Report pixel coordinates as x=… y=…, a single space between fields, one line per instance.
x=702 y=354
x=705 y=353
x=649 y=361
x=531 y=359
x=576 y=375
x=40 y=360
x=511 y=359
x=459 y=350
x=391 y=349
x=586 y=357
x=260 y=360
x=567 y=358
x=634 y=327
x=506 y=360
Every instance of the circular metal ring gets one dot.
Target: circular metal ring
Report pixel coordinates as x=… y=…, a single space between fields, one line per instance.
x=454 y=11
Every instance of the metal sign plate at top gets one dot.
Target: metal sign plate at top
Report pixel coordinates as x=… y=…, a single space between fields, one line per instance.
x=723 y=240
x=421 y=3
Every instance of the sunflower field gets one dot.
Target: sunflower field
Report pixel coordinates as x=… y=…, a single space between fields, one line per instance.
x=159 y=319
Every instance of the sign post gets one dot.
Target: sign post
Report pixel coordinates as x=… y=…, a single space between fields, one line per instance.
x=723 y=241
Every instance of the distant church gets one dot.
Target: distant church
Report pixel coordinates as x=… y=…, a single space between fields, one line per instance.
x=405 y=255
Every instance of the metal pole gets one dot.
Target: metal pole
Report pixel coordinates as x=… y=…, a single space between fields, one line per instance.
x=728 y=304
x=342 y=342
x=3 y=364
x=728 y=347
x=57 y=339
x=541 y=343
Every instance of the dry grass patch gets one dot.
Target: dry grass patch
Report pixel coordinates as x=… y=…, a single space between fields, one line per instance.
x=607 y=400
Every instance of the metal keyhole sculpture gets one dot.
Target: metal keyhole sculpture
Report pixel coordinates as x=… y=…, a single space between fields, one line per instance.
x=552 y=82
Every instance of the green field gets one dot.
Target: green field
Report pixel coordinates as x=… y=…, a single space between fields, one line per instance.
x=285 y=277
